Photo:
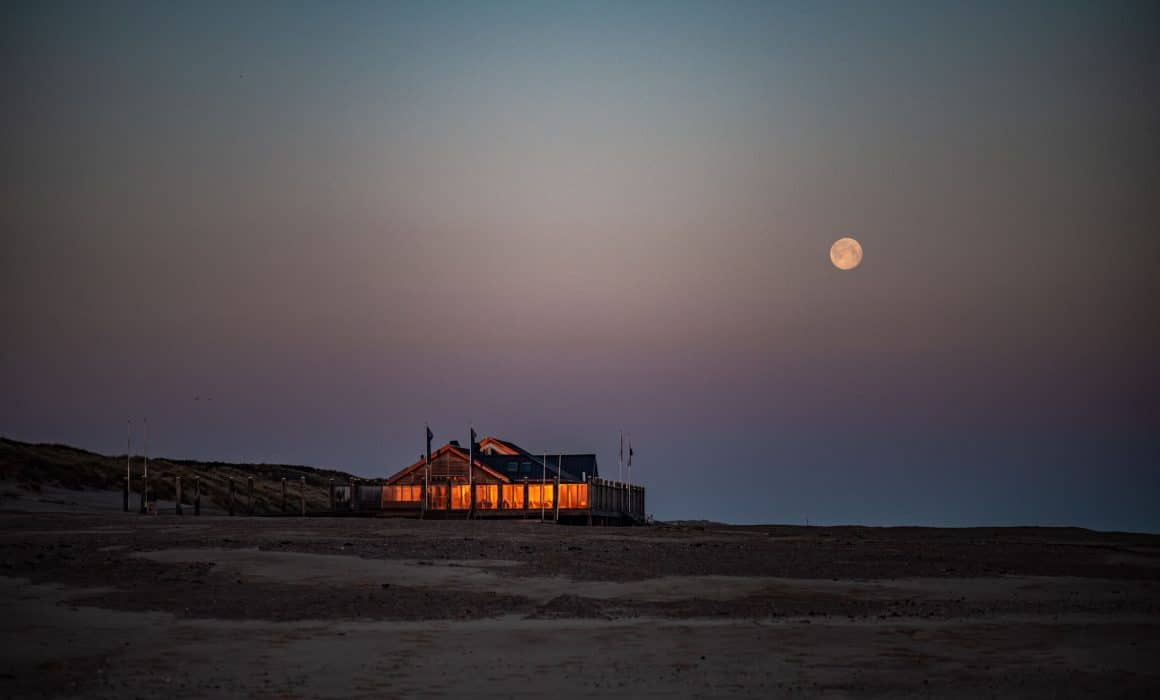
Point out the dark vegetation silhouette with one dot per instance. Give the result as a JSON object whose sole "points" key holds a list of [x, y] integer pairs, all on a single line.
{"points": [[33, 466]]}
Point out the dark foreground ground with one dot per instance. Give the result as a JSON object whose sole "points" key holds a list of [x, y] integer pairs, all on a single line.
{"points": [[108, 605]]}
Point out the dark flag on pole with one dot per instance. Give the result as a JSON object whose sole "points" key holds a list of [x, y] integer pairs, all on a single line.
{"points": [[430, 436], [474, 440], [630, 453]]}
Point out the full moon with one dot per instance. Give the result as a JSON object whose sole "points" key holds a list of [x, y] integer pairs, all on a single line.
{"points": [[846, 254]]}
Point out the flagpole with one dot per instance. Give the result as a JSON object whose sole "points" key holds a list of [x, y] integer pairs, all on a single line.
{"points": [[620, 459], [128, 462], [145, 492], [427, 464], [543, 485], [470, 471]]}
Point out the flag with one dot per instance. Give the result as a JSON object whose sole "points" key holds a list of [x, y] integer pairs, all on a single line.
{"points": [[474, 439], [630, 452], [430, 436]]}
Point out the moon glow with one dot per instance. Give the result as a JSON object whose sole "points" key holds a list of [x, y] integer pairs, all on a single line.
{"points": [[846, 253]]}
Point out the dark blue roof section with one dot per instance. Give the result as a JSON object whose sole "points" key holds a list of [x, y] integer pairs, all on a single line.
{"points": [[573, 468]]}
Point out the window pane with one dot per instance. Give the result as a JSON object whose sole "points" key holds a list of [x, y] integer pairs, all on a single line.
{"points": [[573, 495], [513, 495], [486, 496], [540, 495]]}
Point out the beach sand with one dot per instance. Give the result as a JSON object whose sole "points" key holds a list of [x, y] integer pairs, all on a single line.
{"points": [[113, 605]]}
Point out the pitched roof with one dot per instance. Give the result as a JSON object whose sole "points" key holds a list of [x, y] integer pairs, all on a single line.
{"points": [[572, 466], [439, 452], [514, 463]]}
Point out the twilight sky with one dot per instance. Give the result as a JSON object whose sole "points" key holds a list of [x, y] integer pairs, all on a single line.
{"points": [[557, 220]]}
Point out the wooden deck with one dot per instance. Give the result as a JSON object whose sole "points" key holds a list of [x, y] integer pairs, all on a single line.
{"points": [[595, 502]]}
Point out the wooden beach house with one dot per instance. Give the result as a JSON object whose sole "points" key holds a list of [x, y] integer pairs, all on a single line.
{"points": [[503, 480]]}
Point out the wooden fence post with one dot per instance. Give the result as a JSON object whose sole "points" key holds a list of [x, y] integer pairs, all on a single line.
{"points": [[331, 494], [197, 495], [302, 495], [178, 487], [251, 487], [231, 506], [591, 503]]}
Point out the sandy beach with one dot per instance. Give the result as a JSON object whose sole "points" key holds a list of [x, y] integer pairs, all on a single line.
{"points": [[109, 605]]}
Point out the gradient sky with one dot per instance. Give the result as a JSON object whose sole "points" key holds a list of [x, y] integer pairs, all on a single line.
{"points": [[557, 220]]}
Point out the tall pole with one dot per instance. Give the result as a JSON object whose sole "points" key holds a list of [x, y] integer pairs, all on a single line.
{"points": [[145, 478], [427, 466], [630, 458], [470, 472], [543, 485], [128, 462], [620, 459]]}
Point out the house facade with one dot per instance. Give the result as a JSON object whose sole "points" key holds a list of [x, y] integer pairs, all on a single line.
{"points": [[498, 478]]}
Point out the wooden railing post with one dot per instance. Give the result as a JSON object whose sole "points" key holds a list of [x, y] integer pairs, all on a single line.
{"points": [[197, 495], [177, 486]]}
